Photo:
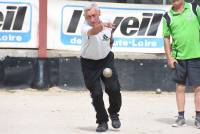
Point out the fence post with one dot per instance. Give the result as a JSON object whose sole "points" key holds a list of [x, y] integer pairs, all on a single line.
{"points": [[42, 52]]}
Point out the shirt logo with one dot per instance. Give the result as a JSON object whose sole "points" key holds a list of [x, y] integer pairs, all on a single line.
{"points": [[105, 37]]}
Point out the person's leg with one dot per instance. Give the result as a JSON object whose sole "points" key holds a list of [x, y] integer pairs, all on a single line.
{"points": [[98, 103], [112, 88], [194, 81], [180, 75], [197, 105], [92, 82], [180, 98], [197, 98]]}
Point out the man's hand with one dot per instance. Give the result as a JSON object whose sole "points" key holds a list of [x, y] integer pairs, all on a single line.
{"points": [[171, 62], [109, 25], [99, 27], [167, 46]]}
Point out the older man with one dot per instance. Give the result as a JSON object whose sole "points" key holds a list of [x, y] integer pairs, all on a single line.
{"points": [[95, 56]]}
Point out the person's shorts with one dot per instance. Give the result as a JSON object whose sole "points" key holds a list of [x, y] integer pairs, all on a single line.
{"points": [[187, 71]]}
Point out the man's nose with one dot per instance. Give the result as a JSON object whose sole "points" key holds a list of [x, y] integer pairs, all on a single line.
{"points": [[93, 19]]}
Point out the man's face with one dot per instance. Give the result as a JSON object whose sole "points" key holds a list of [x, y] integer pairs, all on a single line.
{"points": [[92, 16], [177, 2]]}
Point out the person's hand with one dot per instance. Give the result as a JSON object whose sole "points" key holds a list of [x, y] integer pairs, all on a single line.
{"points": [[171, 62], [109, 25]]}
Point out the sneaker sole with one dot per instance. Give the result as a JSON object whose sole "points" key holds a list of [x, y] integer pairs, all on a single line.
{"points": [[197, 127], [176, 125], [101, 131]]}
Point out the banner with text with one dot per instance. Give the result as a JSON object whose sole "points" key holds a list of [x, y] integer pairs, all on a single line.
{"points": [[138, 27], [19, 23]]}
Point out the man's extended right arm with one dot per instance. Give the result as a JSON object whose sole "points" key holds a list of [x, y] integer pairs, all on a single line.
{"points": [[99, 27]]}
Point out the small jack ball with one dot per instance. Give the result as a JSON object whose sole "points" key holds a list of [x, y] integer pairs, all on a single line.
{"points": [[158, 91]]}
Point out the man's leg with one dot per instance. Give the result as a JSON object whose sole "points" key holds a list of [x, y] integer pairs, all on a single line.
{"points": [[180, 97], [112, 88], [197, 98], [197, 106], [92, 82], [193, 79], [180, 100], [98, 103], [114, 100]]}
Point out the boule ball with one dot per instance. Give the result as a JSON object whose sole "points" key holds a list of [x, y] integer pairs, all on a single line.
{"points": [[107, 72], [158, 91]]}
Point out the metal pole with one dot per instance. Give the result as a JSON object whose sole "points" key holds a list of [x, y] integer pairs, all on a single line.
{"points": [[42, 52], [164, 2]]}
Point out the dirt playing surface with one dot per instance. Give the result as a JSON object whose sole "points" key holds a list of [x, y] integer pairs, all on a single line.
{"points": [[59, 111]]}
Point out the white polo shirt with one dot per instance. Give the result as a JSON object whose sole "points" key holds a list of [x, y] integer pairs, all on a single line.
{"points": [[97, 46]]}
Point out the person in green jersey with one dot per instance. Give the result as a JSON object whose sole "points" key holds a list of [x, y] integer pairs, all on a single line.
{"points": [[182, 25]]}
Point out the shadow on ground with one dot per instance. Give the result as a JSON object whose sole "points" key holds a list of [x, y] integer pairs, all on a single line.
{"points": [[93, 129], [170, 121]]}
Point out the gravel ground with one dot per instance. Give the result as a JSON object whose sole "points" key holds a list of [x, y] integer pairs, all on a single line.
{"points": [[59, 111]]}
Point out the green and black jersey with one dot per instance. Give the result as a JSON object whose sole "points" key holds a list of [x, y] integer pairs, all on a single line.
{"points": [[184, 28]]}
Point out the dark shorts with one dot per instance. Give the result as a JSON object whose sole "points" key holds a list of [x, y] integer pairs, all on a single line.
{"points": [[188, 72]]}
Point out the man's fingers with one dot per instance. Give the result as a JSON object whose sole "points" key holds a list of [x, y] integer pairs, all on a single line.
{"points": [[172, 63], [109, 25], [113, 26]]}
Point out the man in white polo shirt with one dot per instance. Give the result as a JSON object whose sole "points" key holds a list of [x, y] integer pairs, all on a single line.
{"points": [[96, 55]]}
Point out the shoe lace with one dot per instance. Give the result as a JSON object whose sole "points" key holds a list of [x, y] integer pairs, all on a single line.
{"points": [[100, 125], [179, 117], [115, 117], [197, 119]]}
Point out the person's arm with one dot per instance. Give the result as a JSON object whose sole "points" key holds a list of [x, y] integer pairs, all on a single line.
{"points": [[98, 28], [198, 12], [167, 45], [95, 29]]}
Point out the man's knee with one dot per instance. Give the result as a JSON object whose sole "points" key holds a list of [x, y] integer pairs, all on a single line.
{"points": [[113, 86], [115, 91], [97, 98], [180, 88], [90, 86], [197, 89], [96, 94]]}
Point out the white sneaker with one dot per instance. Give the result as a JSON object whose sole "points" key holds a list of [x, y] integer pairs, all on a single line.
{"points": [[180, 121]]}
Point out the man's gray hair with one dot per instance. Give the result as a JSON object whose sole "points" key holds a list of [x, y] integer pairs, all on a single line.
{"points": [[88, 7]]}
